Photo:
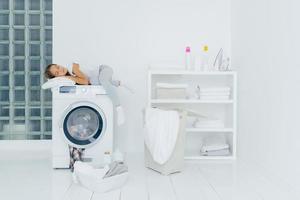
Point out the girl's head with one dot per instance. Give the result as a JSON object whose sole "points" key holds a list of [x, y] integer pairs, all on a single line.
{"points": [[54, 70]]}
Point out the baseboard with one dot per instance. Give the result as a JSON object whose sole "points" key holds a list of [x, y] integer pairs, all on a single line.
{"points": [[17, 145]]}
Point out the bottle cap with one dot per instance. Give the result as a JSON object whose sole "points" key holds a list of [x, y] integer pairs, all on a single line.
{"points": [[187, 49]]}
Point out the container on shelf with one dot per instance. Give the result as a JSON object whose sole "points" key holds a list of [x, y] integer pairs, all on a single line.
{"points": [[188, 62]]}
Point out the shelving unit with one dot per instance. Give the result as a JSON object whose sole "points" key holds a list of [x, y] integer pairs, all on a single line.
{"points": [[224, 109]]}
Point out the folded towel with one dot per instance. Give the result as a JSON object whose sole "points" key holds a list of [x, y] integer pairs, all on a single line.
{"points": [[223, 152], [208, 122], [208, 126], [214, 93], [213, 143], [214, 97], [171, 85], [216, 147], [214, 89]]}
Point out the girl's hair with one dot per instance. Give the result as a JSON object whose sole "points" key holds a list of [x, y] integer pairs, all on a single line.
{"points": [[48, 73]]}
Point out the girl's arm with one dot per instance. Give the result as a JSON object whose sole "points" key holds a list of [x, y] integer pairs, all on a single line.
{"points": [[76, 71], [78, 80], [79, 77]]}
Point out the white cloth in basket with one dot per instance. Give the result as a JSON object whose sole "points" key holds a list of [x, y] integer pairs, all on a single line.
{"points": [[99, 180], [161, 133]]}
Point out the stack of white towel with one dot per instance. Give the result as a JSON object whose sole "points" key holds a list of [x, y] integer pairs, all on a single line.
{"points": [[215, 146], [214, 93], [206, 122]]}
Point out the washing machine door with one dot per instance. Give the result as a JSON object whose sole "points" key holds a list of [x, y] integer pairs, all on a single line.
{"points": [[83, 125]]}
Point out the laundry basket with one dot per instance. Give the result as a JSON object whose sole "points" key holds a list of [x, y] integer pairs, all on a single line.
{"points": [[176, 160], [92, 178]]}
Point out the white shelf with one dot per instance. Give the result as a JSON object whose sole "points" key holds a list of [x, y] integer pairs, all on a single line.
{"points": [[190, 101], [215, 130], [221, 109]]}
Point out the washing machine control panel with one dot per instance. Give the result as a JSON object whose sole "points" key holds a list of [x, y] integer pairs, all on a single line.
{"points": [[84, 90], [77, 91], [67, 89]]}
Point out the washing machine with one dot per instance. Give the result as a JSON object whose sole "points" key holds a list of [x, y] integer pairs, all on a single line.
{"points": [[82, 117]]}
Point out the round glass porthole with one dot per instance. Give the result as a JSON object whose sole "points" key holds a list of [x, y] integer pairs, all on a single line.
{"points": [[83, 125]]}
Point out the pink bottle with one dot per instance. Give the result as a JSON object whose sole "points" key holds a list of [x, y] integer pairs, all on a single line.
{"points": [[188, 65]]}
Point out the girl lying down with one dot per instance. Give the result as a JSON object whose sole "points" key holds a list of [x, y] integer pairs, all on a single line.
{"points": [[100, 76]]}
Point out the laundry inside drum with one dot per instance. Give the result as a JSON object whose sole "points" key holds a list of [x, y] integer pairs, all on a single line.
{"points": [[83, 123]]}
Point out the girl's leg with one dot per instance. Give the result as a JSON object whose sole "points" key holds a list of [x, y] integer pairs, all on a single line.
{"points": [[107, 75], [105, 79]]}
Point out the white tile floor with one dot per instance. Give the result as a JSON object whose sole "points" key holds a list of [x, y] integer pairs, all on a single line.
{"points": [[28, 175]]}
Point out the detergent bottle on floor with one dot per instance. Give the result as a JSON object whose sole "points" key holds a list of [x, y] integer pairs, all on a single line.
{"points": [[106, 158]]}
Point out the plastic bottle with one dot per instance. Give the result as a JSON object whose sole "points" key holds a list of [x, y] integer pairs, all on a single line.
{"points": [[107, 158], [188, 64], [118, 156], [204, 60]]}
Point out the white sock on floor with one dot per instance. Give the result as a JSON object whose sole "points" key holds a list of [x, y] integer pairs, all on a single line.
{"points": [[120, 115]]}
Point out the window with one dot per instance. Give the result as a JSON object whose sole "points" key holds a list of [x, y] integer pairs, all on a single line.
{"points": [[25, 50]]}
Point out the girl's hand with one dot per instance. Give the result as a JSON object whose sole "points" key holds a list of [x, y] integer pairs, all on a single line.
{"points": [[75, 68], [79, 77], [76, 71]]}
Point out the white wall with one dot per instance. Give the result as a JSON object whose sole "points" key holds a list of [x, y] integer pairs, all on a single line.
{"points": [[265, 50], [129, 35]]}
